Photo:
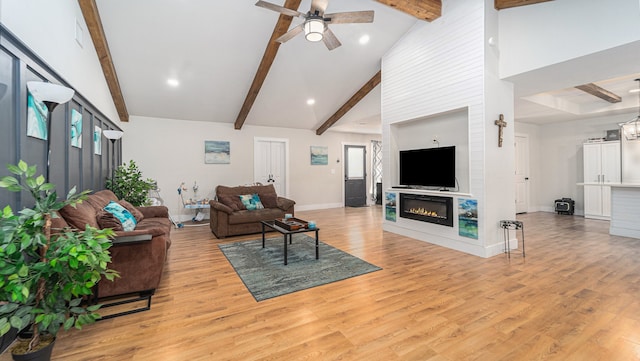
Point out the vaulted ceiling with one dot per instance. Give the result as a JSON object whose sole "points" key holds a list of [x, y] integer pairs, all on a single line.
{"points": [[230, 70]]}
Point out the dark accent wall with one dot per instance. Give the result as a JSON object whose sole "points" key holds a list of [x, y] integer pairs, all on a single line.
{"points": [[70, 166]]}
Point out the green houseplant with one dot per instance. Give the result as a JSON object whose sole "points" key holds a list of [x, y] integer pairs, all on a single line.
{"points": [[45, 275], [127, 183]]}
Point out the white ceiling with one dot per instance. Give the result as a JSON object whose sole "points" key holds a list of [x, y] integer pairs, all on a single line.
{"points": [[213, 49]]}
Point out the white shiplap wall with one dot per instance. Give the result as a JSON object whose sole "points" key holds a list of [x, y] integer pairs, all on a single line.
{"points": [[436, 68]]}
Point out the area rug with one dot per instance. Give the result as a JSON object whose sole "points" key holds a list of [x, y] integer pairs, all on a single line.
{"points": [[264, 274]]}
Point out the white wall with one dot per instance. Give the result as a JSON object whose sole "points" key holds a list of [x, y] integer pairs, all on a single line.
{"points": [[533, 37], [48, 28], [172, 151], [556, 158], [440, 67]]}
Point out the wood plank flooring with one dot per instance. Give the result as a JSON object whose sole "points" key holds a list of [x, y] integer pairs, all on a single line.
{"points": [[575, 297]]}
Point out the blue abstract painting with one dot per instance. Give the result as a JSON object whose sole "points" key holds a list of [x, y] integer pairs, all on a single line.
{"points": [[468, 218], [319, 155], [76, 128], [37, 113], [217, 152]]}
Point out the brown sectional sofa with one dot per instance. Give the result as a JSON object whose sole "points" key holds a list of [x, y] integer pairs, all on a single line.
{"points": [[229, 217], [138, 255]]}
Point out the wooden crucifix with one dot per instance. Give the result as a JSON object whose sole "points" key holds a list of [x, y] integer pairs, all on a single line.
{"points": [[501, 124]]}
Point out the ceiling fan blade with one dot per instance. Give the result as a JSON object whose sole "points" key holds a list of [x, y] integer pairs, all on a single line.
{"points": [[290, 34], [319, 5], [279, 9], [330, 39], [350, 17]]}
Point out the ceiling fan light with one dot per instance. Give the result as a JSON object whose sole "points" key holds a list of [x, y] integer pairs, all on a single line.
{"points": [[314, 29]]}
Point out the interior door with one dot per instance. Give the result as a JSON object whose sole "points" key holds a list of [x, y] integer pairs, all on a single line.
{"points": [[355, 177], [270, 163], [522, 173]]}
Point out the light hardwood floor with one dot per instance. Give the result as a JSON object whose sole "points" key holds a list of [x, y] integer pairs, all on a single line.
{"points": [[575, 297]]}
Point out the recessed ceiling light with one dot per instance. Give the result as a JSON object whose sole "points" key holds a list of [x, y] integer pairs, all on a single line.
{"points": [[173, 82], [364, 39], [311, 101], [634, 91]]}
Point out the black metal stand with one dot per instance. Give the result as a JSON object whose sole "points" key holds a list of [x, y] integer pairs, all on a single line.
{"points": [[508, 225], [142, 296]]}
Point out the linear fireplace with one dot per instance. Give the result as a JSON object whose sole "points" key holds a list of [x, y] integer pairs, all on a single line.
{"points": [[426, 208]]}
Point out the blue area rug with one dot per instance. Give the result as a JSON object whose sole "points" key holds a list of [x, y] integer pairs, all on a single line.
{"points": [[263, 272]]}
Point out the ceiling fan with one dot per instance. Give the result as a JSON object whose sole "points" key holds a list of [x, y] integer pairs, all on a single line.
{"points": [[315, 25]]}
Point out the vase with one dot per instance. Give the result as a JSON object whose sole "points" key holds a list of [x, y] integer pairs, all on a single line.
{"points": [[43, 354], [7, 339]]}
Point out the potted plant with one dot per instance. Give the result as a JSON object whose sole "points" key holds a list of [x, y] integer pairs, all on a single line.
{"points": [[127, 183], [47, 276]]}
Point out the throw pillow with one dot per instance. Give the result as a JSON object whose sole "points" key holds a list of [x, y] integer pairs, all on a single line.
{"points": [[108, 220], [132, 209], [230, 201], [269, 200], [251, 201], [125, 217]]}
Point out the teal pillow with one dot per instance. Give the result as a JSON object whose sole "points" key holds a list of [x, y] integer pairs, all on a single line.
{"points": [[251, 201], [122, 214]]}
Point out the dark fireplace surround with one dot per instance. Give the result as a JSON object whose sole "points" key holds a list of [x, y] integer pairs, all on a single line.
{"points": [[427, 208]]}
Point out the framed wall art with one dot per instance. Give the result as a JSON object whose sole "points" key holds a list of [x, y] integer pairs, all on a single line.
{"points": [[319, 155], [76, 128], [97, 140], [217, 152]]}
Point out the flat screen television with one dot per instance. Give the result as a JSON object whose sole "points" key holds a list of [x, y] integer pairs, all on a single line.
{"points": [[429, 167]]}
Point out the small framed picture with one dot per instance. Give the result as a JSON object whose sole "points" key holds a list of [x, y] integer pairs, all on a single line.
{"points": [[217, 152], [319, 155]]}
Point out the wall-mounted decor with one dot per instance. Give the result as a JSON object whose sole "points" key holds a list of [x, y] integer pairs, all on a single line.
{"points": [[97, 140], [390, 206], [76, 128], [319, 155], [36, 118], [217, 152], [468, 218]]}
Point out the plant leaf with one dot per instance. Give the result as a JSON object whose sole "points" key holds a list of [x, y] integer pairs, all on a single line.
{"points": [[69, 323], [14, 169], [22, 165]]}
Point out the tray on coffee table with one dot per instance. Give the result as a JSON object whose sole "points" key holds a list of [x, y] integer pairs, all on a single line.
{"points": [[291, 224]]}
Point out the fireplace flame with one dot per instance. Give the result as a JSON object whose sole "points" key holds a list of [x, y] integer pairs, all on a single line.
{"points": [[424, 212]]}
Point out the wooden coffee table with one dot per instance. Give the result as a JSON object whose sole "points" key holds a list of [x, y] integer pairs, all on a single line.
{"points": [[287, 234]]}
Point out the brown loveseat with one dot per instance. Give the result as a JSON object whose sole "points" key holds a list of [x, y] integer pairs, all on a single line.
{"points": [[138, 255], [229, 216]]}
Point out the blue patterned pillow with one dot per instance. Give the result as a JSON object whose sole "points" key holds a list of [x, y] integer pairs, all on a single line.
{"points": [[251, 201], [122, 214]]}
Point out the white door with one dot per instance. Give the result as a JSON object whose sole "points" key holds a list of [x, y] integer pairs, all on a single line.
{"points": [[522, 173], [592, 163], [270, 163], [592, 200], [610, 162]]}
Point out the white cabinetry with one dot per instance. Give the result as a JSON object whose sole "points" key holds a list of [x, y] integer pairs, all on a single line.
{"points": [[601, 168]]}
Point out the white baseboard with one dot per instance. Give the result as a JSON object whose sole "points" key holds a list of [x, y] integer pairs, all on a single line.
{"points": [[313, 207]]}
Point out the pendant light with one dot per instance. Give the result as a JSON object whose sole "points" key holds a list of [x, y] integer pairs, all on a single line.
{"points": [[631, 128]]}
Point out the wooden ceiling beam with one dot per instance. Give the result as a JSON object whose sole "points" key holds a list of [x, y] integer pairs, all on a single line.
{"points": [[600, 92], [357, 97], [282, 26], [428, 10], [94, 24], [505, 4]]}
